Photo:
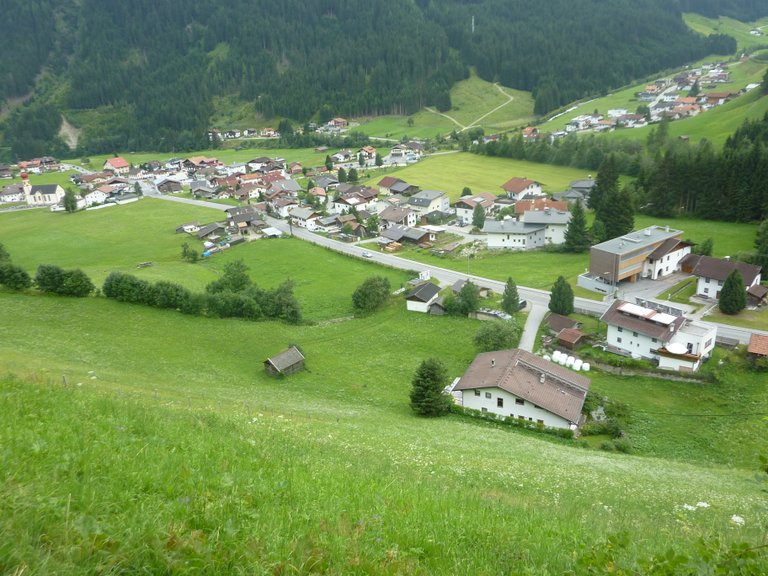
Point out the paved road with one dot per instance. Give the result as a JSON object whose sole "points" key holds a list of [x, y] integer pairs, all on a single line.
{"points": [[538, 299], [532, 323]]}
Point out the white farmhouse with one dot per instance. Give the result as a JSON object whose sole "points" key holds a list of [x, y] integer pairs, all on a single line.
{"points": [[674, 341], [517, 384], [514, 235], [554, 221]]}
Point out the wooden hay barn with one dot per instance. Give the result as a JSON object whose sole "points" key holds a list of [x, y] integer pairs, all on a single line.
{"points": [[285, 363]]}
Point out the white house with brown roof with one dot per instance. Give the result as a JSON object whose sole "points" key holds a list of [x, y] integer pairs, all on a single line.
{"points": [[712, 272], [674, 341], [518, 188], [517, 384], [465, 206]]}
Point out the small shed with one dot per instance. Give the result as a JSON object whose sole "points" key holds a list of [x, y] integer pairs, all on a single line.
{"points": [[570, 337], [758, 346], [288, 362]]}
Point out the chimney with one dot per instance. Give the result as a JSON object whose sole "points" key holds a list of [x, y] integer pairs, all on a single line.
{"points": [[666, 228], [541, 378], [647, 231]]}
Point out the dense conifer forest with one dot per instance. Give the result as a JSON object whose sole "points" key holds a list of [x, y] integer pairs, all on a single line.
{"points": [[151, 68]]}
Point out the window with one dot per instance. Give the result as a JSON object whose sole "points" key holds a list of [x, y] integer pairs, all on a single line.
{"points": [[706, 280], [487, 394], [519, 401], [477, 392], [618, 340], [500, 402], [719, 282], [539, 421], [620, 329], [521, 417], [706, 290], [484, 410], [653, 340], [634, 334]]}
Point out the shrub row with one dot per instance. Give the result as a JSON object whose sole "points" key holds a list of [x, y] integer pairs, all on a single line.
{"points": [[252, 303], [55, 280]]}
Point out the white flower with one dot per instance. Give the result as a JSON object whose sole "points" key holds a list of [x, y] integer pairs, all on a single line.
{"points": [[689, 507], [702, 504], [736, 519]]}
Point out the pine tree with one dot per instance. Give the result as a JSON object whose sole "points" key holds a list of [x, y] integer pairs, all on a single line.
{"points": [[576, 239], [733, 296], [70, 200], [468, 298], [618, 214], [510, 300], [598, 232], [607, 181], [561, 299], [761, 246], [428, 397]]}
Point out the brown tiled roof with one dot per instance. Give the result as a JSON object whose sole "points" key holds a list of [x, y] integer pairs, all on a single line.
{"points": [[570, 335], [669, 245], [617, 315], [558, 322], [758, 291], [552, 387], [517, 185], [758, 344], [539, 204], [719, 269]]}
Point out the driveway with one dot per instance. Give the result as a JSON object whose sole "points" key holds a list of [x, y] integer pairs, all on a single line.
{"points": [[532, 323]]}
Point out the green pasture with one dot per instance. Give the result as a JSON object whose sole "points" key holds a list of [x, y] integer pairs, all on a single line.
{"points": [[724, 25], [170, 447], [451, 172], [729, 238]]}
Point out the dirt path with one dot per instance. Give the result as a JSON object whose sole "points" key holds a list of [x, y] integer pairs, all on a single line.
{"points": [[473, 124]]}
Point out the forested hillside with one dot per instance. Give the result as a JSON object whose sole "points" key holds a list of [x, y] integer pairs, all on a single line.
{"points": [[143, 74]]}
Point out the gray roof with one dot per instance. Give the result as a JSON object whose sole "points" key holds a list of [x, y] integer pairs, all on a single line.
{"points": [[288, 185], [545, 384], [399, 187], [546, 216], [303, 213], [424, 292], [286, 359], [210, 228], [394, 214], [646, 321], [637, 239], [511, 226]]}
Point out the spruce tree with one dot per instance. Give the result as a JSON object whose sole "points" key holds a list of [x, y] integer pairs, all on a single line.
{"points": [[561, 299], [733, 296], [761, 246], [607, 181], [618, 214], [428, 397], [510, 301], [576, 239]]}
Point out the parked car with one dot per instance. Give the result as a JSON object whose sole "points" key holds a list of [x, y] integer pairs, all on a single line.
{"points": [[367, 255], [522, 304]]}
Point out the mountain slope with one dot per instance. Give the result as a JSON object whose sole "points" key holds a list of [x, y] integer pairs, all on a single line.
{"points": [[154, 66]]}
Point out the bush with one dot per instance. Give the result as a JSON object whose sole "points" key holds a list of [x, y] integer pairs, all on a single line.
{"points": [[49, 278], [76, 283], [14, 277], [623, 445], [371, 295]]}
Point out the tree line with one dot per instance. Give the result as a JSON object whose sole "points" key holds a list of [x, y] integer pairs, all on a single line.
{"points": [[154, 68]]}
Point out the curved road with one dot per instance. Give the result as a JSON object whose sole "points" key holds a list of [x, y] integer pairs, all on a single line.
{"points": [[536, 298]]}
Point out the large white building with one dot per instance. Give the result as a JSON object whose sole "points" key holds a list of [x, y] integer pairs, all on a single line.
{"points": [[517, 384], [674, 341]]}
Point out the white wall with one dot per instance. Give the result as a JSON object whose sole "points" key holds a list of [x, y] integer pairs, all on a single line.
{"points": [[517, 241], [529, 412], [632, 342]]}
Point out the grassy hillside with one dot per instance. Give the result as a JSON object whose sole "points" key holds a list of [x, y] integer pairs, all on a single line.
{"points": [[170, 449], [189, 455], [723, 25]]}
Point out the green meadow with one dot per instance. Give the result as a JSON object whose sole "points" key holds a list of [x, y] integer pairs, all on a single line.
{"points": [[453, 171], [149, 441]]}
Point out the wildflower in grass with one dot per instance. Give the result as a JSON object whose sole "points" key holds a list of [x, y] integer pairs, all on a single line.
{"points": [[738, 520], [702, 505], [688, 507]]}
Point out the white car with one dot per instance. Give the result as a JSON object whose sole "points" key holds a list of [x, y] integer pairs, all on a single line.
{"points": [[367, 255]]}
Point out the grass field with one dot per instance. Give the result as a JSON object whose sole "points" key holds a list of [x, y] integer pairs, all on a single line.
{"points": [[723, 25], [453, 171], [171, 450]]}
